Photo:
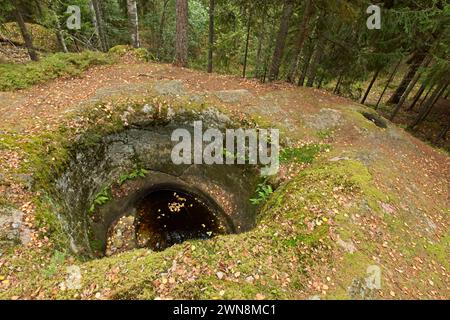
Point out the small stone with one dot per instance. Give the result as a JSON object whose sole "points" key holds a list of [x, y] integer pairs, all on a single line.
{"points": [[147, 109], [220, 275]]}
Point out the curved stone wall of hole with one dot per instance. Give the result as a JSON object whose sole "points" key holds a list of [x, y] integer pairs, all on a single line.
{"points": [[225, 189]]}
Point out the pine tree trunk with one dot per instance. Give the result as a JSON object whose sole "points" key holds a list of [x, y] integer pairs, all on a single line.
{"points": [[417, 97], [134, 23], [429, 104], [375, 76], [315, 60], [301, 80], [212, 5], [181, 45], [281, 40], [319, 83], [301, 36], [28, 40], [417, 60], [443, 133], [97, 20], [247, 41], [391, 77], [162, 25], [261, 37], [410, 87], [338, 84], [60, 34], [426, 95]]}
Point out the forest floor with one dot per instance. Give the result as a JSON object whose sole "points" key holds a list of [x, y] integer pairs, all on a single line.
{"points": [[398, 221]]}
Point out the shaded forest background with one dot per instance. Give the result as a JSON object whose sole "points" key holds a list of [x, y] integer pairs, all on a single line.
{"points": [[402, 69]]}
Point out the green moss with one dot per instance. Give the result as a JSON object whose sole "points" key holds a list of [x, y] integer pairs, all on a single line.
{"points": [[356, 117], [21, 76], [56, 261], [325, 134], [311, 240], [304, 154], [47, 219], [440, 251]]}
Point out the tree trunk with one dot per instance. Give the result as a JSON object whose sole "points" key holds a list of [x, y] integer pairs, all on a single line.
{"points": [[416, 61], [338, 84], [305, 67], [60, 34], [181, 45], [212, 5], [443, 133], [417, 97], [247, 41], [133, 20], [391, 77], [315, 60], [97, 20], [429, 104], [375, 76], [281, 40], [319, 83], [410, 87], [95, 23], [28, 40], [161, 29], [261, 37], [426, 95], [301, 36]]}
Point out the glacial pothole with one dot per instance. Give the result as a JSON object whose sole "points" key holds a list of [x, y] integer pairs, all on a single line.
{"points": [[166, 216], [167, 205], [170, 216]]}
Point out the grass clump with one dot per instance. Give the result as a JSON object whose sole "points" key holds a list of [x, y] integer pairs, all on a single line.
{"points": [[21, 76]]}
